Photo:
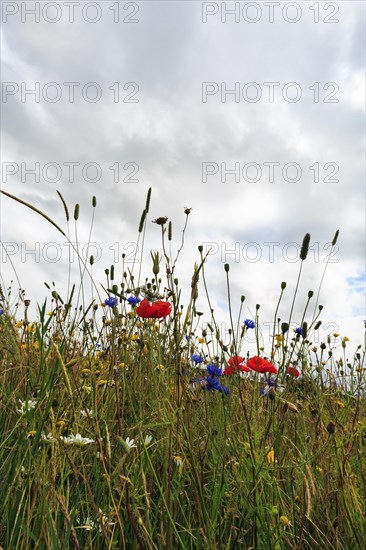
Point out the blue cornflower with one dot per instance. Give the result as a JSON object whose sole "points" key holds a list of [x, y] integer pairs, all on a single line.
{"points": [[1, 312], [214, 370], [133, 300], [249, 323], [298, 330], [197, 359], [225, 390], [212, 384], [111, 301]]}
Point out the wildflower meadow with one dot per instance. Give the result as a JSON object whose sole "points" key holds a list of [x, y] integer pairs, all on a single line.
{"points": [[130, 422]]}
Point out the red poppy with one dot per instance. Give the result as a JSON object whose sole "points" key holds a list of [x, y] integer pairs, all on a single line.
{"points": [[235, 363], [235, 360], [293, 371], [229, 370], [261, 365], [153, 310]]}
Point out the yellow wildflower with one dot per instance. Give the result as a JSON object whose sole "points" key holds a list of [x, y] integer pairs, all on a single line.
{"points": [[179, 462], [19, 324], [201, 340], [271, 457], [285, 520]]}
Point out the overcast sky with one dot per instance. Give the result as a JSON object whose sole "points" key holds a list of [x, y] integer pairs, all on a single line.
{"points": [[253, 118]]}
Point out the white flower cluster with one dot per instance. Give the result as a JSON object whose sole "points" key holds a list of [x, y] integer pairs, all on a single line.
{"points": [[26, 406], [76, 440]]}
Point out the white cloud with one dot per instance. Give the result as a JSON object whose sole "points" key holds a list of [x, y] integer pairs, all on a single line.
{"points": [[170, 132]]}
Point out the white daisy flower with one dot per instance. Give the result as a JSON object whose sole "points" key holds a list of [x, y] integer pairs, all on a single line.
{"points": [[26, 406], [77, 440]]}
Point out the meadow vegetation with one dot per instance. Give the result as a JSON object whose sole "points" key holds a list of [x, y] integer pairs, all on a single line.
{"points": [[127, 423]]}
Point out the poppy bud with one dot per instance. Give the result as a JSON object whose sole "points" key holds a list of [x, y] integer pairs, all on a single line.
{"points": [[331, 428], [284, 327], [283, 285], [156, 262], [271, 393]]}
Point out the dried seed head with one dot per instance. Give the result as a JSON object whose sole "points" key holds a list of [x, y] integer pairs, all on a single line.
{"points": [[142, 220], [335, 237], [147, 205], [305, 247], [161, 221], [76, 211]]}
